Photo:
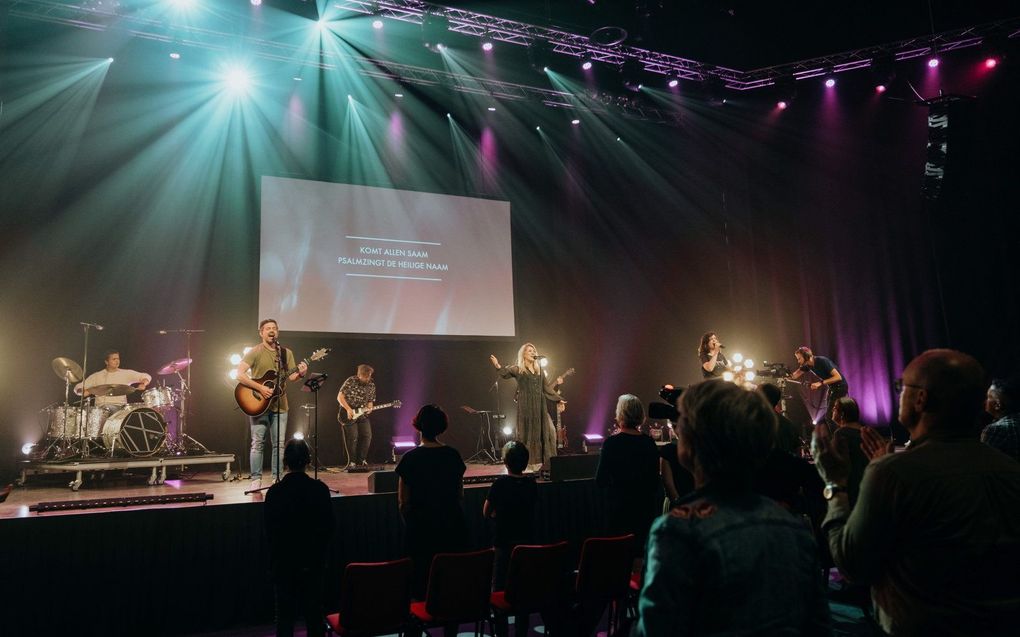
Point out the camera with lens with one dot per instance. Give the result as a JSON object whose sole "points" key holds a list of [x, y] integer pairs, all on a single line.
{"points": [[666, 410]]}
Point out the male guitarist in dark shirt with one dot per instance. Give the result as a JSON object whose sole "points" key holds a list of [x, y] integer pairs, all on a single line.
{"points": [[357, 392], [260, 359]]}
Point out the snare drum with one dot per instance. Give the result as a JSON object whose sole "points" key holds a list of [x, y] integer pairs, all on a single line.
{"points": [[159, 397], [134, 431]]}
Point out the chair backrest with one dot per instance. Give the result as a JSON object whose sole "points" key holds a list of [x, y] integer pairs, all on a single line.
{"points": [[459, 585], [375, 597], [536, 576], [603, 572]]}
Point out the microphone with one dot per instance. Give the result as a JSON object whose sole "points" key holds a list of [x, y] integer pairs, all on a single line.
{"points": [[162, 331], [541, 356], [95, 325], [721, 346]]}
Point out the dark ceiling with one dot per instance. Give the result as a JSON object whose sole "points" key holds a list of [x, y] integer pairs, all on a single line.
{"points": [[750, 34]]}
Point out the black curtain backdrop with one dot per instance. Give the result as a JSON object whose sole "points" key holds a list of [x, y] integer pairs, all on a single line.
{"points": [[772, 229]]}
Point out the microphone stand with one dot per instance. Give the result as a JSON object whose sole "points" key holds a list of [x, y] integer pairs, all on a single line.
{"points": [[314, 384], [82, 425]]}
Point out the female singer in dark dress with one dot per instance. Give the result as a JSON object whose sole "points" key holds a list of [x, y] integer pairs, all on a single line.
{"points": [[429, 492], [534, 426], [713, 361]]}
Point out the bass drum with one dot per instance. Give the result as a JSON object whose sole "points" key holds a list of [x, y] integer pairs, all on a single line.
{"points": [[134, 431]]}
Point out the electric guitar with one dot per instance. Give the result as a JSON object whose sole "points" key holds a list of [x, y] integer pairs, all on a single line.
{"points": [[561, 431], [251, 401], [342, 418]]}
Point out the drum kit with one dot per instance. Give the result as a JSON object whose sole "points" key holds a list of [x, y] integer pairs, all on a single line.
{"points": [[97, 427]]}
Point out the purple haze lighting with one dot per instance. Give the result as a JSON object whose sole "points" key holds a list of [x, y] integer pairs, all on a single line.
{"points": [[486, 46], [594, 437], [933, 63], [829, 83]]}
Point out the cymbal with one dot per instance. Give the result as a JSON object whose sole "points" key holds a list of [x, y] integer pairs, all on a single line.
{"points": [[174, 366], [111, 390], [67, 369]]}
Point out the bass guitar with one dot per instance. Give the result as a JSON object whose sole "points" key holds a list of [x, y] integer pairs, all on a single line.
{"points": [[342, 418], [251, 401], [561, 431]]}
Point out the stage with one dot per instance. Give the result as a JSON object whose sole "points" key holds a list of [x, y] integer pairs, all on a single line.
{"points": [[198, 567]]}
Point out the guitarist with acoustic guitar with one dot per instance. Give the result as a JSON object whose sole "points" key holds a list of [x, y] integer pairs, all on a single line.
{"points": [[268, 356], [356, 398]]}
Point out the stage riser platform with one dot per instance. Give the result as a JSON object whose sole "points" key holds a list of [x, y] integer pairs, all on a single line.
{"points": [[203, 568]]}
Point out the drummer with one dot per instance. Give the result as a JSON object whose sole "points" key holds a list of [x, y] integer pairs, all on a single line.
{"points": [[113, 375]]}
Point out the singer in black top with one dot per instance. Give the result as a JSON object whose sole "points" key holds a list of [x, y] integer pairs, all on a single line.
{"points": [[534, 426], [713, 361]]}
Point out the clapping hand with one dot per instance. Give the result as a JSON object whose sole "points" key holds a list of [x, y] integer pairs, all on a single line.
{"points": [[832, 459], [874, 445]]}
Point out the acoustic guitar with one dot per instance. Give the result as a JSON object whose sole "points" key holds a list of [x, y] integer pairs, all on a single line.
{"points": [[251, 401]]}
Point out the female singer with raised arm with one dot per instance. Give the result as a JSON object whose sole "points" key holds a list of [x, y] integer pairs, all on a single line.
{"points": [[534, 426], [713, 361]]}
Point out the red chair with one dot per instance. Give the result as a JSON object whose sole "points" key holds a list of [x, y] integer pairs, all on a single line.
{"points": [[603, 579], [374, 599], [457, 592], [535, 583]]}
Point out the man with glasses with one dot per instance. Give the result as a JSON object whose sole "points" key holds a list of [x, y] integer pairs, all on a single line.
{"points": [[935, 531]]}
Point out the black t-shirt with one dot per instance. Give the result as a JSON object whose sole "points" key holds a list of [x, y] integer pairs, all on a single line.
{"points": [[513, 501], [629, 472], [721, 363], [298, 512], [823, 367], [433, 476]]}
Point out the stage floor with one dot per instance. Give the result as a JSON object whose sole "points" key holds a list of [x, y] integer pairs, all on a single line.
{"points": [[131, 483]]}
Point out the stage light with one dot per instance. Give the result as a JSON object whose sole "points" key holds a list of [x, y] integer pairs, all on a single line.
{"points": [[185, 4], [377, 24], [991, 62], [618, 139], [235, 359], [673, 82], [256, 3], [232, 374], [881, 88], [586, 63], [933, 62], [440, 47], [749, 376], [246, 350], [545, 69], [299, 435], [508, 430], [738, 357], [296, 79], [447, 116], [748, 363], [538, 128], [486, 45], [575, 122], [320, 26], [398, 95], [237, 80], [829, 83], [492, 109], [27, 448], [109, 60], [543, 362], [175, 56], [781, 105], [727, 376]]}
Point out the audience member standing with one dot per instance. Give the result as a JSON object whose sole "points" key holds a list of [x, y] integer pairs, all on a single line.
{"points": [[430, 491], [847, 416], [628, 470], [727, 561], [936, 529], [1002, 404], [511, 507], [299, 524]]}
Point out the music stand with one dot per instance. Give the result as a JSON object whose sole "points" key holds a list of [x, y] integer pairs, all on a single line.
{"points": [[313, 384]]}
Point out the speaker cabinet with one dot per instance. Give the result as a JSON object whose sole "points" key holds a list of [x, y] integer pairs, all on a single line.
{"points": [[382, 482]]}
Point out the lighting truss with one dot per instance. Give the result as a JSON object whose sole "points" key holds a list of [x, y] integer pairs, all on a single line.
{"points": [[101, 15]]}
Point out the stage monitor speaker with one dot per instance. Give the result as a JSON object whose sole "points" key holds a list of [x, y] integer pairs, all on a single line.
{"points": [[382, 482], [579, 467]]}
